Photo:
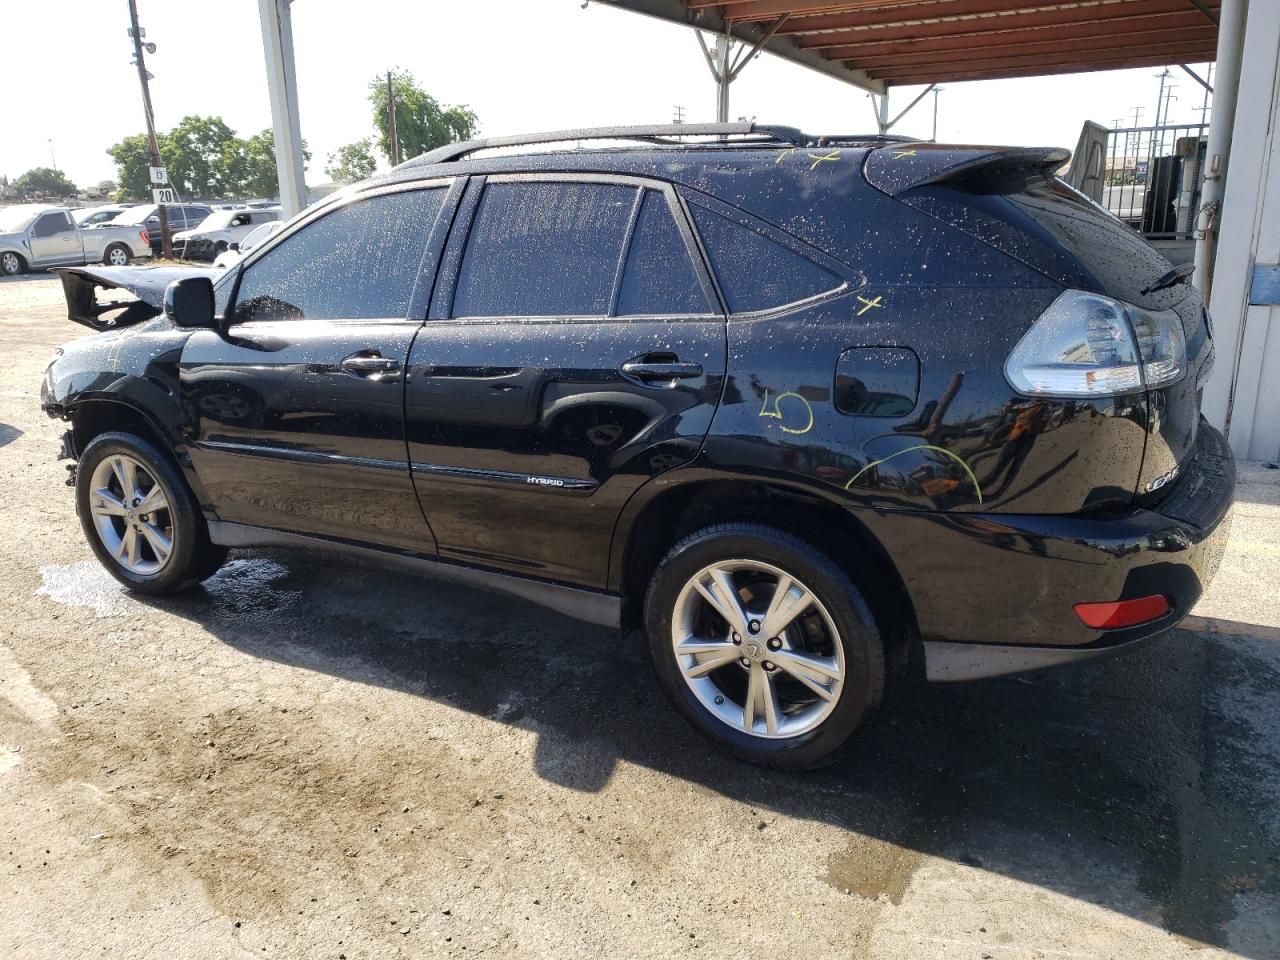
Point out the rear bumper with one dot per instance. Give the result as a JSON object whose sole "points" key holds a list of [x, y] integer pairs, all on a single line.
{"points": [[995, 593]]}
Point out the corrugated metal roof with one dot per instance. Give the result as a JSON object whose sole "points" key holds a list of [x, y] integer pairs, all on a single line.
{"points": [[880, 43]]}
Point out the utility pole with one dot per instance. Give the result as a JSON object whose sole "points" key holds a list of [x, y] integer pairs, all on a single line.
{"points": [[678, 113], [1163, 75], [391, 121], [52, 158], [153, 145]]}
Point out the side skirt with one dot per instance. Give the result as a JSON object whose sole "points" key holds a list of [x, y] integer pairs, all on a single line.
{"points": [[590, 606], [946, 662]]}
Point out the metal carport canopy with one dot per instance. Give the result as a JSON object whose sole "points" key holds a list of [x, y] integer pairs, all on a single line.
{"points": [[875, 44]]}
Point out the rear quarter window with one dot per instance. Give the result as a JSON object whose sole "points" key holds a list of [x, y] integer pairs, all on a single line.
{"points": [[754, 271]]}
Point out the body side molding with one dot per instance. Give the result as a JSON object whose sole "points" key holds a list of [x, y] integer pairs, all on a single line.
{"points": [[590, 606]]}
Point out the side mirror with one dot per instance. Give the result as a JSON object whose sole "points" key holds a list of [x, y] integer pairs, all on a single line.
{"points": [[189, 302], [233, 246]]}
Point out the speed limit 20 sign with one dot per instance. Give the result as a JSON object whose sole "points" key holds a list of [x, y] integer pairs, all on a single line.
{"points": [[164, 195]]}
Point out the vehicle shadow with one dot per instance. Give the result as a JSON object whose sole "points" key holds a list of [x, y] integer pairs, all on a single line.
{"points": [[1146, 785], [8, 434]]}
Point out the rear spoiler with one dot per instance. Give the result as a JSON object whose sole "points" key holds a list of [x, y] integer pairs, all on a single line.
{"points": [[80, 287], [899, 168]]}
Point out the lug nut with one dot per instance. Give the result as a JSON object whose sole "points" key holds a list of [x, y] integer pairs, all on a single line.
{"points": [[775, 644], [754, 626], [737, 638], [744, 661], [768, 665]]}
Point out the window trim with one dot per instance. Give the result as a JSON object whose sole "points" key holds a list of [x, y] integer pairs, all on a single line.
{"points": [[422, 287], [451, 264], [853, 278]]}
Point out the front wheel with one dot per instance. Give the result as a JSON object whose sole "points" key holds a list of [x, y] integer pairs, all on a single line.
{"points": [[140, 517], [117, 255], [764, 644], [11, 264]]}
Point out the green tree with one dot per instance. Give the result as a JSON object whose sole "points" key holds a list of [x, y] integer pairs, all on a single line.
{"points": [[352, 162], [132, 160], [422, 123], [195, 153], [44, 182]]}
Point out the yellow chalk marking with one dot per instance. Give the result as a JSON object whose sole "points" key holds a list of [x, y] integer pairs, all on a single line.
{"points": [[833, 155], [899, 154], [874, 302], [924, 446], [783, 155], [776, 413]]}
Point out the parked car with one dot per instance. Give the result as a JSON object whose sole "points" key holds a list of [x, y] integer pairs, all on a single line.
{"points": [[238, 250], [813, 411], [182, 216], [94, 216], [35, 235], [219, 230]]}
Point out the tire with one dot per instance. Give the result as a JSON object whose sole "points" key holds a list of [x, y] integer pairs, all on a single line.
{"points": [[116, 255], [834, 642], [12, 264], [111, 523]]}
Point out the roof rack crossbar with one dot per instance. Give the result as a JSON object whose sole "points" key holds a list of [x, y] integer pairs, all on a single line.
{"points": [[662, 133]]}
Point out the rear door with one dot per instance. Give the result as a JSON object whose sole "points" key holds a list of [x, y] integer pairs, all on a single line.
{"points": [[573, 351], [298, 410]]}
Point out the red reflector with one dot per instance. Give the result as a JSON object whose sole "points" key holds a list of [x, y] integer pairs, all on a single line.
{"points": [[146, 237], [1122, 613]]}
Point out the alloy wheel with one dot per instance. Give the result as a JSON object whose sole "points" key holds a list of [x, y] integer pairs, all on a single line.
{"points": [[131, 514], [758, 649], [117, 257], [10, 264]]}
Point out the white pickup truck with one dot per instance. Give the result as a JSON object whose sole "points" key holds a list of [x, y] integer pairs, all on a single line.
{"points": [[36, 236]]}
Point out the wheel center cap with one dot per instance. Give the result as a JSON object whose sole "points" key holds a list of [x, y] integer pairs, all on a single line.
{"points": [[753, 650], [131, 515]]}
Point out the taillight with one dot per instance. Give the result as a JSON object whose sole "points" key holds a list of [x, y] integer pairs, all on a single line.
{"points": [[1088, 345], [146, 237]]}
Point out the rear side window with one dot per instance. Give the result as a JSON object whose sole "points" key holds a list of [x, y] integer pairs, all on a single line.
{"points": [[658, 277], [755, 272], [359, 262], [544, 249]]}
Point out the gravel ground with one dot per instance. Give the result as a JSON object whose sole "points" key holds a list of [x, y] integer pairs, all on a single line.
{"points": [[311, 759]]}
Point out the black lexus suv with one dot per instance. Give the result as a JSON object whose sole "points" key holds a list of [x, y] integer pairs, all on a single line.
{"points": [[812, 411]]}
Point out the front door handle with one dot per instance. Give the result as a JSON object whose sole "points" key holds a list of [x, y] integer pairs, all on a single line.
{"points": [[668, 371], [365, 364]]}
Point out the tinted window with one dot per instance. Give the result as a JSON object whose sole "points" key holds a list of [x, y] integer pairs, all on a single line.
{"points": [[659, 277], [754, 272], [358, 262], [544, 249], [51, 223]]}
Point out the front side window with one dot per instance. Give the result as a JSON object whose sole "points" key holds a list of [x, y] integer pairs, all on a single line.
{"points": [[544, 249], [50, 224], [360, 261], [754, 271]]}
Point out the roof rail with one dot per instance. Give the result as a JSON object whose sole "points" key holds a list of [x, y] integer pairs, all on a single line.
{"points": [[662, 134]]}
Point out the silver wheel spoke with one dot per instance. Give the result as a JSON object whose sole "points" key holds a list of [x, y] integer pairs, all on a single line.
{"points": [[762, 700], [127, 476], [805, 668], [707, 655], [160, 544], [723, 598], [788, 602], [154, 500], [106, 504]]}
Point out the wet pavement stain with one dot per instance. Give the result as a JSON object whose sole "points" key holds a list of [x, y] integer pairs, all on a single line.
{"points": [[872, 868]]}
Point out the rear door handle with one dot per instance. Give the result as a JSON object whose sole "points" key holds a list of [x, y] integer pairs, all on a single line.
{"points": [[364, 364], [671, 370]]}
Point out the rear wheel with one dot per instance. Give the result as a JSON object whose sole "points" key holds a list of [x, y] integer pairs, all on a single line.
{"points": [[140, 517], [12, 264], [764, 644], [116, 255]]}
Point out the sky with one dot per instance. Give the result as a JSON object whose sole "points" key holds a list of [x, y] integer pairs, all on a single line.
{"points": [[521, 65]]}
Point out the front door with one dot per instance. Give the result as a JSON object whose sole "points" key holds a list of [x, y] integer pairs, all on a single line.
{"points": [[574, 351], [298, 411], [54, 240]]}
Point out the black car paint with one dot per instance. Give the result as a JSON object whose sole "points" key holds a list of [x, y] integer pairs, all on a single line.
{"points": [[998, 510]]}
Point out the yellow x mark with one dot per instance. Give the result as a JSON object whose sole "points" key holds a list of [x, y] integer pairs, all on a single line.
{"points": [[833, 155], [875, 302], [899, 154]]}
